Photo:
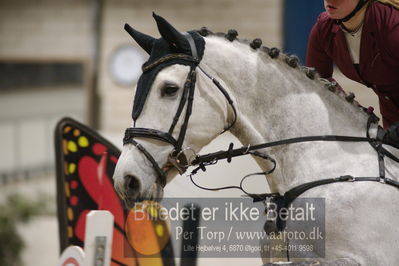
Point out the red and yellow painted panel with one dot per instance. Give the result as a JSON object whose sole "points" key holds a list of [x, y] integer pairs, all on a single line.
{"points": [[85, 164]]}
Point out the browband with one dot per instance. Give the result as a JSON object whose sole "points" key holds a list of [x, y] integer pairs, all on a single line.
{"points": [[166, 58]]}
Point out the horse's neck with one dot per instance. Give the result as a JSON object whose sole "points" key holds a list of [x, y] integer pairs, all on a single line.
{"points": [[275, 101]]}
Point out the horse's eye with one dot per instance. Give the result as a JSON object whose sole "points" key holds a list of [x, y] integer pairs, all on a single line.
{"points": [[169, 90]]}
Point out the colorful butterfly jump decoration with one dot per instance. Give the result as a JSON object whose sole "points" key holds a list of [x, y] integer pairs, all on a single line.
{"points": [[85, 162]]}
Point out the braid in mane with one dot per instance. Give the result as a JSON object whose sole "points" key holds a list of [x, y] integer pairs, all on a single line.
{"points": [[293, 62]]}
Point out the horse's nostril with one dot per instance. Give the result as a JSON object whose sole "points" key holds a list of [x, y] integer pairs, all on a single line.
{"points": [[133, 183]]}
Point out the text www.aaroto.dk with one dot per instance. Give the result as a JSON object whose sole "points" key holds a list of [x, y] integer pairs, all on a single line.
{"points": [[314, 234]]}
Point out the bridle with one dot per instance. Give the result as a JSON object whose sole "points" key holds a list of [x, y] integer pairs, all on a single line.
{"points": [[179, 158]]}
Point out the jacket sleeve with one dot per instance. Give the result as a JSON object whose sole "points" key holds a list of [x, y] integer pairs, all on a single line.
{"points": [[316, 56], [393, 42]]}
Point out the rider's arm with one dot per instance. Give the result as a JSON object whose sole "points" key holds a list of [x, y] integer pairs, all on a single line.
{"points": [[392, 41], [316, 56]]}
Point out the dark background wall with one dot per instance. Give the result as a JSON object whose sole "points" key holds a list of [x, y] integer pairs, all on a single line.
{"points": [[298, 19]]}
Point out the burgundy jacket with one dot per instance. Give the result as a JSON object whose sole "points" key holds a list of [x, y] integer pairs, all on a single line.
{"points": [[379, 55]]}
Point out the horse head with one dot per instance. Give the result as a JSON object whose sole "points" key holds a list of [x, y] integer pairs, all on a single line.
{"points": [[175, 113]]}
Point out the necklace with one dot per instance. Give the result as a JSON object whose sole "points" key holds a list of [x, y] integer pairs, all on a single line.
{"points": [[353, 32]]}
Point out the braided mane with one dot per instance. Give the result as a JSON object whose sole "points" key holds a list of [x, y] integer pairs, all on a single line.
{"points": [[293, 62]]}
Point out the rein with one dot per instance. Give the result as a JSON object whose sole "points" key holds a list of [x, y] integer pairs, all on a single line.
{"points": [[283, 201]]}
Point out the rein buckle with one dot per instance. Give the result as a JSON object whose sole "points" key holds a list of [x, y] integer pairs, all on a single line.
{"points": [[182, 160]]}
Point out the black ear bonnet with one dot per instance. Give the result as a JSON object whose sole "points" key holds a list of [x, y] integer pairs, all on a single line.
{"points": [[171, 42]]}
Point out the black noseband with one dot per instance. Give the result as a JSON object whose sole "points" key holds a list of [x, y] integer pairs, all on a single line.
{"points": [[161, 174], [131, 133]]}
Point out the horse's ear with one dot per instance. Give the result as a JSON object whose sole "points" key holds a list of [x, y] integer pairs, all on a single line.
{"points": [[169, 33], [145, 41]]}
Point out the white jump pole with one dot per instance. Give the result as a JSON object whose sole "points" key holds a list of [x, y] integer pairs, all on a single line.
{"points": [[98, 238], [97, 243]]}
